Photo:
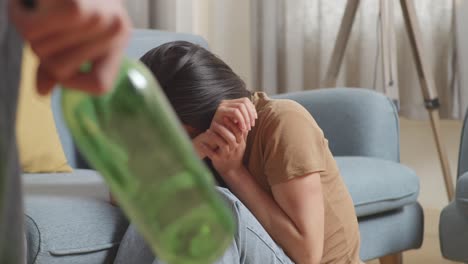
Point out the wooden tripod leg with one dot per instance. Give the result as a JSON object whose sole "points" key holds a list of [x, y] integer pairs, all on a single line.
{"points": [[389, 51], [435, 123], [428, 87], [341, 42]]}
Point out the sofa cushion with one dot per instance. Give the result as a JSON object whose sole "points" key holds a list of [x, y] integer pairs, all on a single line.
{"points": [[378, 185], [69, 219], [39, 145], [80, 182]]}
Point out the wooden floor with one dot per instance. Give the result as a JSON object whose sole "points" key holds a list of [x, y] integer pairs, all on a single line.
{"points": [[430, 251], [417, 136]]}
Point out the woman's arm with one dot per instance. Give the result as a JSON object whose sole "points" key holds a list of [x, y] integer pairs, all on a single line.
{"points": [[294, 217], [241, 112]]}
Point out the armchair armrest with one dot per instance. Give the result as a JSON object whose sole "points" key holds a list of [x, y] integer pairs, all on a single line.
{"points": [[461, 194], [463, 157]]}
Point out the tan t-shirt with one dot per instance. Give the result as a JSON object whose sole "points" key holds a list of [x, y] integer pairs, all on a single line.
{"points": [[286, 142]]}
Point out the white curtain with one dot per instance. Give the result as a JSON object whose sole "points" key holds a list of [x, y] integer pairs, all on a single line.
{"points": [[461, 94], [225, 24], [285, 45], [293, 42]]}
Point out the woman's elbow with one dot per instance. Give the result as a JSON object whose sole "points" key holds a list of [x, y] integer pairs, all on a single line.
{"points": [[316, 259], [313, 258], [308, 255]]}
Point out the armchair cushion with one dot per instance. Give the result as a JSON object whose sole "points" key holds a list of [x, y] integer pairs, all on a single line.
{"points": [[377, 185]]}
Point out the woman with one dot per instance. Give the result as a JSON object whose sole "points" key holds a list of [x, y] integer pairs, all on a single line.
{"points": [[270, 153]]}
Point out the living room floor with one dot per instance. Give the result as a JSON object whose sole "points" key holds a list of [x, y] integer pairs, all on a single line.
{"points": [[418, 151], [429, 253]]}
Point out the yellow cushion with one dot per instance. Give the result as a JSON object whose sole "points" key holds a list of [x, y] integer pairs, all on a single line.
{"points": [[39, 145]]}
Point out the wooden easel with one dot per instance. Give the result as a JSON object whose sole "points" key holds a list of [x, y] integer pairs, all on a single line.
{"points": [[390, 78]]}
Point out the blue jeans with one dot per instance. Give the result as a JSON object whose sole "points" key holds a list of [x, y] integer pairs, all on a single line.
{"points": [[251, 243]]}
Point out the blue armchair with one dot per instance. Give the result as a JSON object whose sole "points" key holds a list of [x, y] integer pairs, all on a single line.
{"points": [[362, 127], [70, 221], [453, 225]]}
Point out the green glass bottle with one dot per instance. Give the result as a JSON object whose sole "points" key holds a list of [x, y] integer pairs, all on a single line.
{"points": [[133, 138]]}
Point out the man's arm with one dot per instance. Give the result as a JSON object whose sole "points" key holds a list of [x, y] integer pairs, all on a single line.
{"points": [[67, 33]]}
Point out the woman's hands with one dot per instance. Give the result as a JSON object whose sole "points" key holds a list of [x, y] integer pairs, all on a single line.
{"points": [[200, 142], [237, 116], [228, 156], [241, 111]]}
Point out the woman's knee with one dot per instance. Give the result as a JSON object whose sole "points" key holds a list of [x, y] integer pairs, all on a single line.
{"points": [[254, 244], [133, 249]]}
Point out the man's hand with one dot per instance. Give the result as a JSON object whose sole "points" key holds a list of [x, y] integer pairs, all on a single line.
{"points": [[241, 111], [65, 34]]}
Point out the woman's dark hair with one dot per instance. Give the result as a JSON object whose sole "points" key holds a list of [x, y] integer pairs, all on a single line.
{"points": [[194, 80]]}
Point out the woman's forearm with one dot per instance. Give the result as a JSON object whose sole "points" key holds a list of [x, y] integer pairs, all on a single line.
{"points": [[276, 222]]}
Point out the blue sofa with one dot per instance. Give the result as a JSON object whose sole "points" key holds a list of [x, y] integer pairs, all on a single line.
{"points": [[453, 224], [68, 218]]}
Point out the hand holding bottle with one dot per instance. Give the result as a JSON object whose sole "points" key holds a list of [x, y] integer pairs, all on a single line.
{"points": [[133, 138], [65, 34]]}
